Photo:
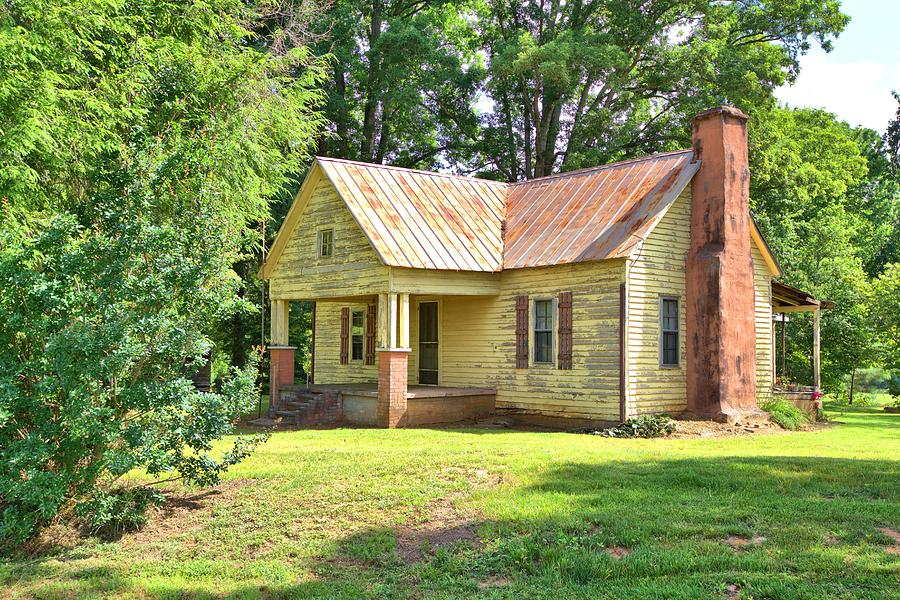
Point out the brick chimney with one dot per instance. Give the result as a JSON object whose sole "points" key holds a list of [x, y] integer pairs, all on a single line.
{"points": [[721, 330]]}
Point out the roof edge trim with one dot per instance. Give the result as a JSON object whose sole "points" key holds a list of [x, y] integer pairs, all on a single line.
{"points": [[764, 249]]}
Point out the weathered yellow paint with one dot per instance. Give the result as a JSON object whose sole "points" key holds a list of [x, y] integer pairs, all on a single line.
{"points": [[762, 282], [354, 268], [328, 346], [466, 283], [655, 270], [476, 313], [280, 322], [477, 342]]}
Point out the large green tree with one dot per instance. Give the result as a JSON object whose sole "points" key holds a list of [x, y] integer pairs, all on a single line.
{"points": [[403, 78], [139, 141], [582, 83]]}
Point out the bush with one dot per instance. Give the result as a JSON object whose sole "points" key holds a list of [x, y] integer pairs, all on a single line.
{"points": [[786, 414], [644, 426]]}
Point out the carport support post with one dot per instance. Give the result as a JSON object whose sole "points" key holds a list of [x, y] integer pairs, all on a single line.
{"points": [[281, 355], [817, 357], [393, 358]]}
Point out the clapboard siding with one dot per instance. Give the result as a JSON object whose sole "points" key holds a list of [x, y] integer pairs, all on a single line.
{"points": [[328, 344], [353, 269], [478, 344], [762, 280], [655, 270]]}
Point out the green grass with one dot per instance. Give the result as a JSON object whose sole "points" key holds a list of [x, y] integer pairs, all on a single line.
{"points": [[351, 513]]}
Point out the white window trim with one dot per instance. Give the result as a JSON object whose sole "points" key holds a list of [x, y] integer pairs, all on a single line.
{"points": [[554, 330], [319, 231], [659, 322]]}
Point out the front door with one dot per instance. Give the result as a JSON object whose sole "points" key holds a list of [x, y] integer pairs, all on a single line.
{"points": [[428, 343]]}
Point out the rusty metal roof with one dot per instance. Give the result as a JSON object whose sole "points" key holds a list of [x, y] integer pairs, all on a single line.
{"points": [[423, 220], [426, 220], [591, 214]]}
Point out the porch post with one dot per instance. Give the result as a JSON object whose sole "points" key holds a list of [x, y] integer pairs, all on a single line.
{"points": [[393, 359], [817, 359], [281, 355]]}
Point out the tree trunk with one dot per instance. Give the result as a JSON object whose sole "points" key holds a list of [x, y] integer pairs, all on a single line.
{"points": [[852, 382], [372, 86], [340, 86]]}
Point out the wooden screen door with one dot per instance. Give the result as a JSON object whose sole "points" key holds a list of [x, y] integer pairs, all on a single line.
{"points": [[428, 343]]}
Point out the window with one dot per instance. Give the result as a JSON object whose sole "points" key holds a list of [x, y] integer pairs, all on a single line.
{"points": [[357, 334], [543, 331], [668, 322], [326, 243]]}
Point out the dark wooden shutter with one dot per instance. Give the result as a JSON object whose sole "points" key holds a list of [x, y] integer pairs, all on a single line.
{"points": [[370, 334], [521, 332], [564, 359], [345, 336]]}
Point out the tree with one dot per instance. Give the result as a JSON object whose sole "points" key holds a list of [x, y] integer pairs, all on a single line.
{"points": [[403, 80], [581, 83], [886, 314], [140, 140]]}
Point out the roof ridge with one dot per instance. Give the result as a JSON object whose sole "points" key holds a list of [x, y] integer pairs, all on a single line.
{"points": [[601, 167], [408, 170]]}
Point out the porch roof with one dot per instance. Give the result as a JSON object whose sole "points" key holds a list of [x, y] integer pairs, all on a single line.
{"points": [[786, 298]]}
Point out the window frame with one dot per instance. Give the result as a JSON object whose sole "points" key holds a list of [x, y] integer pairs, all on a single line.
{"points": [[320, 236], [533, 331], [362, 336], [663, 331]]}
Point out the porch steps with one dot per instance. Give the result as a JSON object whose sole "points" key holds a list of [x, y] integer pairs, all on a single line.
{"points": [[302, 407]]}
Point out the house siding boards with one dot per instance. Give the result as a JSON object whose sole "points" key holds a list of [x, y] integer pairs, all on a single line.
{"points": [[762, 280], [478, 343], [656, 270], [354, 267], [328, 347]]}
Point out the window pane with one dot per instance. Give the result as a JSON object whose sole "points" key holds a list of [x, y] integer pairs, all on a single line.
{"points": [[670, 348], [543, 347], [543, 317], [357, 347], [325, 242]]}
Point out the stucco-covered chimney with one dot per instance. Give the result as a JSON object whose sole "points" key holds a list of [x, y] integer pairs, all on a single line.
{"points": [[721, 331]]}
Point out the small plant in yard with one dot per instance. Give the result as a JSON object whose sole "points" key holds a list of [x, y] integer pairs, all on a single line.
{"points": [[644, 426], [785, 414]]}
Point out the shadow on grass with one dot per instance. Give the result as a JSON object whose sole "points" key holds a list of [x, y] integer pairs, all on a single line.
{"points": [[807, 528]]}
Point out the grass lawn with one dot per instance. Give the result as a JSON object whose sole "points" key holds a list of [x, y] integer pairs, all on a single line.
{"points": [[457, 513]]}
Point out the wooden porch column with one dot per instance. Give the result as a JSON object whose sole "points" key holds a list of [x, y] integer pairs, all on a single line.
{"points": [[393, 359], [281, 355], [817, 358]]}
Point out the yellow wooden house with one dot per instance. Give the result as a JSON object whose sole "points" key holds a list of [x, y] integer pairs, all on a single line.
{"points": [[595, 295]]}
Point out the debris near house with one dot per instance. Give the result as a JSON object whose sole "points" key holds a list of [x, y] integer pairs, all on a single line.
{"points": [[643, 426]]}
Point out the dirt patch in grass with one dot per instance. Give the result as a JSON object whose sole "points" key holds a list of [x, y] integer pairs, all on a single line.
{"points": [[694, 429], [493, 582], [182, 512], [895, 547], [445, 524], [617, 552], [740, 542], [732, 592]]}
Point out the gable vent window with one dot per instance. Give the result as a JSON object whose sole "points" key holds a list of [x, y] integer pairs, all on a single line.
{"points": [[326, 243], [668, 321], [357, 335], [543, 331]]}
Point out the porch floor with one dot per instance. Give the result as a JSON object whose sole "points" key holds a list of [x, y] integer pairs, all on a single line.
{"points": [[413, 391]]}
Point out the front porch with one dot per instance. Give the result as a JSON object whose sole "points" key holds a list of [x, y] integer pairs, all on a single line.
{"points": [[375, 361], [357, 403]]}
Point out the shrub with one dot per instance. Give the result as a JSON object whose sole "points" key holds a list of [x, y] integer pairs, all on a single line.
{"points": [[644, 426], [786, 414]]}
